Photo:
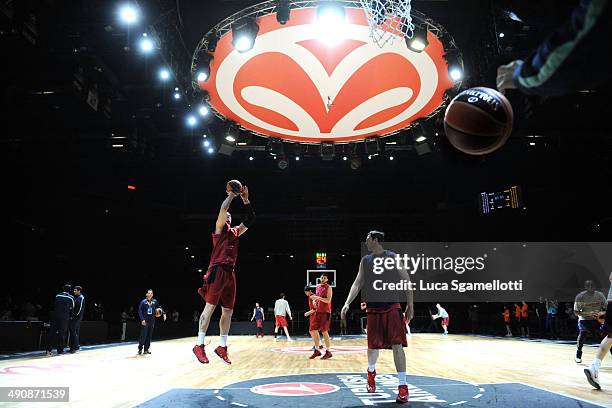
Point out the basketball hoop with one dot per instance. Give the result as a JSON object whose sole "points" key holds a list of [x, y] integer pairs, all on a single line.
{"points": [[388, 20]]}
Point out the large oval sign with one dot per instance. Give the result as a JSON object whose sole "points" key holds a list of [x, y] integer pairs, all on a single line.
{"points": [[295, 85]]}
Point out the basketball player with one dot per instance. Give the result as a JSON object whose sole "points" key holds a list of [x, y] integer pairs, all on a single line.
{"points": [[146, 312], [444, 315], [525, 320], [219, 286], [312, 309], [592, 373], [322, 317], [506, 315], [587, 305], [258, 315], [385, 324], [281, 308]]}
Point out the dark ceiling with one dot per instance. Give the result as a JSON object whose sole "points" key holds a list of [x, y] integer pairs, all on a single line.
{"points": [[65, 186]]}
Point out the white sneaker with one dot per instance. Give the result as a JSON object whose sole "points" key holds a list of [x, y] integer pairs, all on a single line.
{"points": [[592, 376], [578, 360], [290, 339]]}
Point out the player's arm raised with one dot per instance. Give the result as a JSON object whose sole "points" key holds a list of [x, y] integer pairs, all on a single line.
{"points": [[222, 217], [355, 288], [250, 219]]}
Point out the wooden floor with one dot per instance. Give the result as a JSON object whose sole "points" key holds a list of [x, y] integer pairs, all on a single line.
{"points": [[117, 377]]}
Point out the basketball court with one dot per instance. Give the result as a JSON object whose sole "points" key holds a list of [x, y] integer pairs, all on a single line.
{"points": [[453, 371]]}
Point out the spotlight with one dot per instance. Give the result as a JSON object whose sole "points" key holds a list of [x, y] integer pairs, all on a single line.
{"points": [[282, 163], [203, 66], [275, 147], [192, 121], [146, 44], [455, 73], [420, 139], [203, 110], [390, 157], [206, 143], [418, 42], [243, 34], [177, 96], [128, 14], [230, 138], [372, 147], [355, 164], [211, 150], [331, 18], [211, 41], [297, 158], [345, 158], [250, 158], [502, 35], [164, 74], [328, 151], [282, 11], [232, 133]]}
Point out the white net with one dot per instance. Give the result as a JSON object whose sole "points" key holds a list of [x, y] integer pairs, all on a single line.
{"points": [[389, 20]]}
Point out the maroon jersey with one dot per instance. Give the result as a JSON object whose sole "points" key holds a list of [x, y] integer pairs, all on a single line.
{"points": [[225, 247], [323, 307]]}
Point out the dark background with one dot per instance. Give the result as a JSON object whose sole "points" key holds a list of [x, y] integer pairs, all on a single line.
{"points": [[67, 215]]}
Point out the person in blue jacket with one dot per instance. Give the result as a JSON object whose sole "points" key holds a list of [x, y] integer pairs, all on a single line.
{"points": [[75, 319], [573, 58], [146, 312], [62, 308]]}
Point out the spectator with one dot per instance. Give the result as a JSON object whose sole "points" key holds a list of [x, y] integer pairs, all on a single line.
{"points": [[175, 316], [551, 318], [473, 317]]}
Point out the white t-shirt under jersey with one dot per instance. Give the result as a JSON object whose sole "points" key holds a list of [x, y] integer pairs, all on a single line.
{"points": [[281, 307]]}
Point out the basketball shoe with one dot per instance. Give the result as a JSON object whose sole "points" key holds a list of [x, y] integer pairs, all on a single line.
{"points": [[222, 353], [371, 386], [200, 354], [402, 394]]}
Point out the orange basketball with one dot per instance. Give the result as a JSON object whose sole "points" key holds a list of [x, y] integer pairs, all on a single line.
{"points": [[478, 121], [234, 186], [158, 312]]}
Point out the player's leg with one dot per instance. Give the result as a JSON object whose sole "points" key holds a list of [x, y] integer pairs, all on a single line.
{"points": [[287, 333], [224, 327], [372, 358], [592, 373], [314, 333], [205, 317], [327, 341], [583, 334]]}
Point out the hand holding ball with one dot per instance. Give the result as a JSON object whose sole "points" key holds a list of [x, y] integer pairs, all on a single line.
{"points": [[158, 312], [233, 186], [478, 121]]}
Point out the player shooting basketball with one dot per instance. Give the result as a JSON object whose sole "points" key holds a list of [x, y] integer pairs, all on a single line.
{"points": [[385, 321], [219, 287]]}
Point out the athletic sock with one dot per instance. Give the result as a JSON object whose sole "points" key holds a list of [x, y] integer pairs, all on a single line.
{"points": [[401, 377], [223, 340], [371, 367], [201, 336], [596, 364]]}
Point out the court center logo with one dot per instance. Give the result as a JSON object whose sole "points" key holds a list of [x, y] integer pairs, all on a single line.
{"points": [[294, 86]]}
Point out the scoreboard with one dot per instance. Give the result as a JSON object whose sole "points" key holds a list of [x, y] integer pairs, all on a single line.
{"points": [[509, 198]]}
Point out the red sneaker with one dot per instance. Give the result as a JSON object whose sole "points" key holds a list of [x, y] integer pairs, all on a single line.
{"points": [[222, 353], [371, 387], [402, 394], [315, 354], [326, 355], [200, 354]]}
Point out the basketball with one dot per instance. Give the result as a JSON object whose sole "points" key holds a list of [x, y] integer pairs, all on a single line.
{"points": [[234, 186], [478, 121], [158, 312]]}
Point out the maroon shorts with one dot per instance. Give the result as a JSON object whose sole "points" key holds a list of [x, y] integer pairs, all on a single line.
{"points": [[281, 321], [320, 321], [386, 327], [259, 323], [445, 321], [220, 286]]}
